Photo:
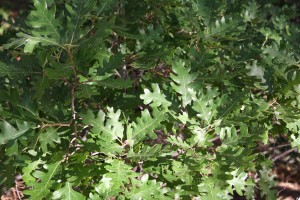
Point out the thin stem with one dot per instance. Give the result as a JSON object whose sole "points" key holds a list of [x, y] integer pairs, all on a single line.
{"points": [[17, 191], [54, 125], [284, 154], [73, 87], [73, 103], [215, 139]]}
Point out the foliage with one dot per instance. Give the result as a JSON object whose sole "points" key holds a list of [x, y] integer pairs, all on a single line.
{"points": [[103, 99]]}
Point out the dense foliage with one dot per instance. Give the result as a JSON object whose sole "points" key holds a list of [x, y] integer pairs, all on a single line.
{"points": [[164, 99]]}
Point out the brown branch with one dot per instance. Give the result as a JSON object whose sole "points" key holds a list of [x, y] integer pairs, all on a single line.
{"points": [[55, 125], [73, 87], [280, 146], [215, 139], [73, 102], [284, 154], [59, 125], [17, 191], [68, 154]]}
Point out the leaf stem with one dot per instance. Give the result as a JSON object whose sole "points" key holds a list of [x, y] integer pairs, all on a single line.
{"points": [[54, 125], [73, 87]]}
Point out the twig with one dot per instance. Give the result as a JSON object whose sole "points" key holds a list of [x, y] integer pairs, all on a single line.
{"points": [[284, 154], [280, 191], [17, 191], [282, 145], [66, 158], [96, 153], [54, 125], [75, 82], [215, 139], [73, 102]]}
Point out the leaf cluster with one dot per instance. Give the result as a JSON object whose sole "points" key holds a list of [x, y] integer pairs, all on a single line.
{"points": [[165, 99]]}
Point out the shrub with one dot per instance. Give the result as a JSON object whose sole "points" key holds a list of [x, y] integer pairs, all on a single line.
{"points": [[165, 99]]}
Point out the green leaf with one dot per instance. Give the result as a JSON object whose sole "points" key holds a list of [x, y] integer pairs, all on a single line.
{"points": [[118, 175], [40, 86], [295, 142], [11, 133], [144, 126], [78, 13], [105, 5], [67, 193], [15, 70], [156, 98], [238, 182], [12, 148], [207, 9], [116, 83], [86, 91], [44, 26], [146, 189], [31, 167], [267, 183], [43, 18], [148, 36], [211, 190], [105, 124], [269, 34], [182, 172], [200, 135], [256, 71], [282, 56], [49, 137], [294, 126], [5, 69], [105, 186], [182, 82], [42, 188], [59, 71], [107, 66], [221, 28], [207, 105], [107, 128], [179, 142], [30, 42], [146, 153]]}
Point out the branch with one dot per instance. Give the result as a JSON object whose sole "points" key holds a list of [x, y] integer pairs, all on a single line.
{"points": [[284, 154], [54, 125], [73, 87], [73, 102]]}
